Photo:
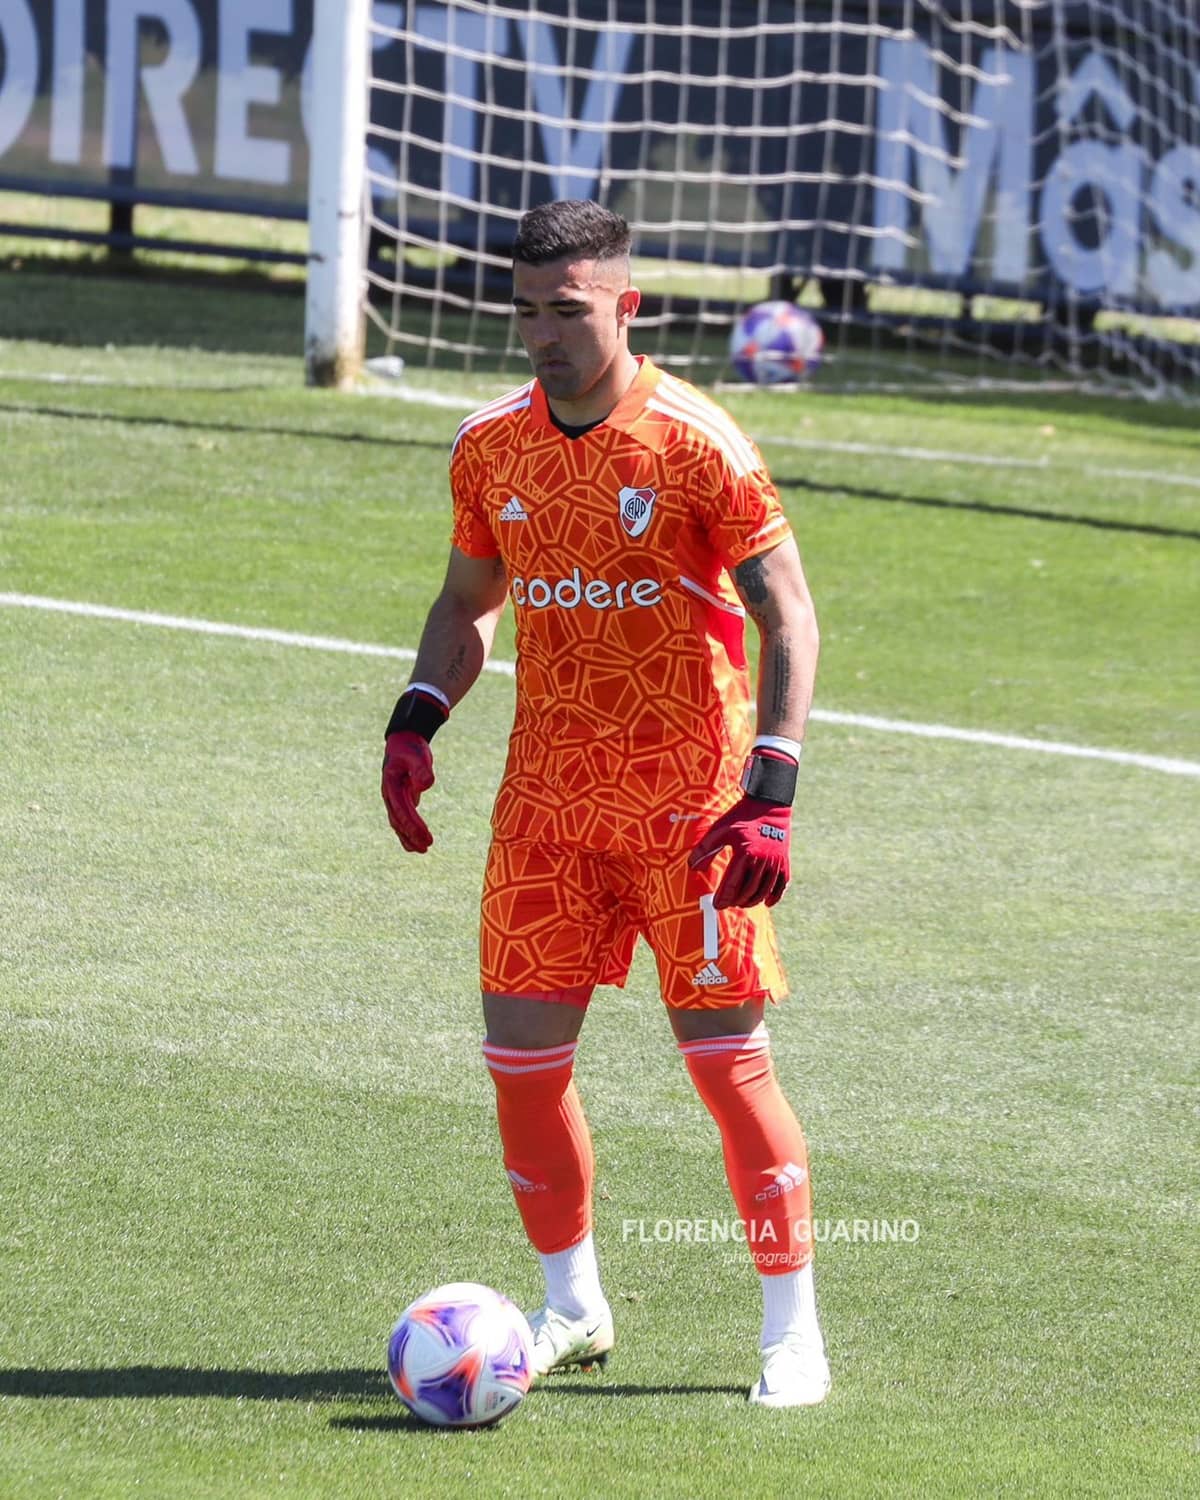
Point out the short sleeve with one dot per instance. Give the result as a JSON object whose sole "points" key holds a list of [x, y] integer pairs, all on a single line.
{"points": [[742, 512], [472, 532]]}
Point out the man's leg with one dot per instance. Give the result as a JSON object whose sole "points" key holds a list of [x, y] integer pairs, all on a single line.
{"points": [[530, 1052], [529, 1049], [766, 1161], [716, 969]]}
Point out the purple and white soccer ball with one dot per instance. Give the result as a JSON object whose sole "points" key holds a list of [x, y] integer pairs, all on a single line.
{"points": [[775, 342], [461, 1356]]}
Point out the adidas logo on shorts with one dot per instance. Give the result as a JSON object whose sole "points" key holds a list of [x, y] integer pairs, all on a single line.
{"points": [[710, 974], [514, 511]]}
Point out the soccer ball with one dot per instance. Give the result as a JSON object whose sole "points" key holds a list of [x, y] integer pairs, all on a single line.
{"points": [[775, 342], [461, 1356]]}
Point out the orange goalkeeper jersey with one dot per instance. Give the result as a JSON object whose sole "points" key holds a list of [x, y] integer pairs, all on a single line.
{"points": [[633, 700]]}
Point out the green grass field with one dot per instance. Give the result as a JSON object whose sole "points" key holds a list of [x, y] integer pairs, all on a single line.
{"points": [[245, 1119]]}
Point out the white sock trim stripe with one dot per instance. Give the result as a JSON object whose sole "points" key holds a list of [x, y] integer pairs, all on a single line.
{"points": [[542, 1067], [528, 1059], [749, 1041], [725, 1051], [528, 1054]]}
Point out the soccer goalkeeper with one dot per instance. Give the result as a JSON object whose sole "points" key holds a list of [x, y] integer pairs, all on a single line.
{"points": [[634, 527]]}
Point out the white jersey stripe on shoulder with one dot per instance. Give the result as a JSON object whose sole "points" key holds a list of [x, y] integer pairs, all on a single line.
{"points": [[487, 416], [711, 415], [688, 397], [517, 401], [772, 525], [511, 401], [513, 395], [739, 462]]}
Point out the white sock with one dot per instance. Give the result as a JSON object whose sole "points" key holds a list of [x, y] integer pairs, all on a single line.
{"points": [[790, 1306], [573, 1280]]}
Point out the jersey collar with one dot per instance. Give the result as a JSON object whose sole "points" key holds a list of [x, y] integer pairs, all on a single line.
{"points": [[623, 415]]}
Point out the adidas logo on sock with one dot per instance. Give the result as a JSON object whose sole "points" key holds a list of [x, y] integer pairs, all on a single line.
{"points": [[791, 1177], [523, 1184], [514, 510], [710, 974]]}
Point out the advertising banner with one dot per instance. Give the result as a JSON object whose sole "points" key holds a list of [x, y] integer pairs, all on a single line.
{"points": [[196, 102], [1035, 157]]}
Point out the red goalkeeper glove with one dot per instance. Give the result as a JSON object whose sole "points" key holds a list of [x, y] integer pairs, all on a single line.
{"points": [[759, 831], [408, 764]]}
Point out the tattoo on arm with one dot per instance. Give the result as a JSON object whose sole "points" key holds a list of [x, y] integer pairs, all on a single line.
{"points": [[455, 670], [751, 579], [781, 676]]}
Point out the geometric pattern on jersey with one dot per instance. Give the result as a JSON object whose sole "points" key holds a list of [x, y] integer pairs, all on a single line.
{"points": [[633, 697], [556, 918]]}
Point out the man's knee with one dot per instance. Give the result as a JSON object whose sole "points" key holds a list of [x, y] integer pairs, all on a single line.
{"points": [[531, 1022]]}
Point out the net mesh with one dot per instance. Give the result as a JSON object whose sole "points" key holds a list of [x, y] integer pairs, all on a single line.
{"points": [[990, 190]]}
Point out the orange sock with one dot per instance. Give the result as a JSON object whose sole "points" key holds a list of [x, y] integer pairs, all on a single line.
{"points": [[766, 1159], [547, 1145]]}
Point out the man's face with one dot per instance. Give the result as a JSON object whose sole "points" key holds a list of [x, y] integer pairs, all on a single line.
{"points": [[572, 316]]}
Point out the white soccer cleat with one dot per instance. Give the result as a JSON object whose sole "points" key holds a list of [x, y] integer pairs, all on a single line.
{"points": [[559, 1341], [795, 1373]]}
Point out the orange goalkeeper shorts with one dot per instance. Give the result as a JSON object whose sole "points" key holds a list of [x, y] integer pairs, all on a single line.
{"points": [[561, 919]]}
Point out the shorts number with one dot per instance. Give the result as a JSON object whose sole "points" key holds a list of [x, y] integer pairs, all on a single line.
{"points": [[712, 931]]}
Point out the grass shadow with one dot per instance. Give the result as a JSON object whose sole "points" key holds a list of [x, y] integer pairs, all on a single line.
{"points": [[401, 1421], [983, 507], [193, 424], [151, 1381], [587, 1388]]}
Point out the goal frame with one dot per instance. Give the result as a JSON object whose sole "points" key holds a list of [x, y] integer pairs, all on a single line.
{"points": [[334, 323], [937, 212]]}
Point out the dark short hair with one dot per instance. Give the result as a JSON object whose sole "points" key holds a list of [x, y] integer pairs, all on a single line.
{"points": [[570, 227]]}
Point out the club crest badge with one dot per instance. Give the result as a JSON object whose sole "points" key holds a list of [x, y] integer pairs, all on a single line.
{"points": [[636, 508]]}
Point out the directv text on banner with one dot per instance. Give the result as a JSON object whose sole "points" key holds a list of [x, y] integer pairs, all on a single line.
{"points": [[914, 169], [199, 101]]}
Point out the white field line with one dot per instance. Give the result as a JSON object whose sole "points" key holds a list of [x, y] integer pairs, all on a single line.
{"points": [[111, 382], [1170, 765], [981, 460], [398, 390], [1044, 464]]}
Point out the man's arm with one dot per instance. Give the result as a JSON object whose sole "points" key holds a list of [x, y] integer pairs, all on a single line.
{"points": [[461, 624], [774, 590], [758, 828], [455, 643]]}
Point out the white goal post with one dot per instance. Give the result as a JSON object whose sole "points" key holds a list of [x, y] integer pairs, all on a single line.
{"points": [[333, 317], [962, 190]]}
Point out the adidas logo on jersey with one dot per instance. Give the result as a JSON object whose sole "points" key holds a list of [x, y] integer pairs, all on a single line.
{"points": [[791, 1177], [710, 974], [514, 510]]}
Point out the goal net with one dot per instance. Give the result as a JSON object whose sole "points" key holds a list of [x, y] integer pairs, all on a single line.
{"points": [[989, 189]]}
